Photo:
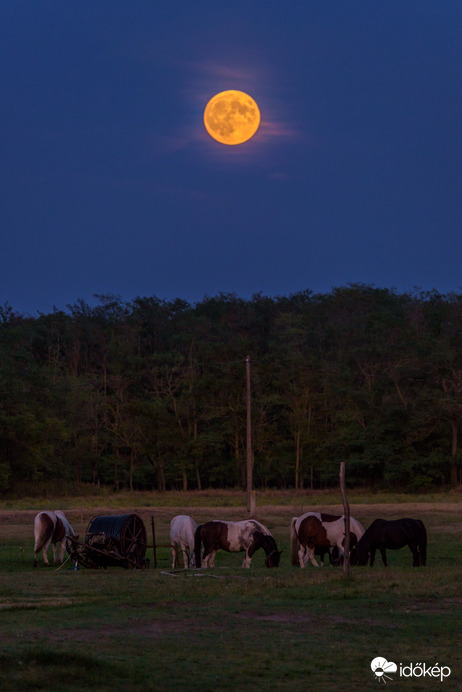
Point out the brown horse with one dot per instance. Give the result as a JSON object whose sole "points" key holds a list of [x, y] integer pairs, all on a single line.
{"points": [[51, 527], [319, 532]]}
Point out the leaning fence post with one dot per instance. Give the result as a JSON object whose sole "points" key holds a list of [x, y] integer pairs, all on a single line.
{"points": [[346, 513], [154, 547]]}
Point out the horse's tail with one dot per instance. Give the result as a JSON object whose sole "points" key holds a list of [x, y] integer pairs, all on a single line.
{"points": [[198, 546], [37, 533], [43, 530], [423, 544], [294, 544]]}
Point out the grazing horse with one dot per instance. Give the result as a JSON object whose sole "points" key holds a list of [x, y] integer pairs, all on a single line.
{"points": [[51, 527], [383, 534], [319, 532], [182, 530], [235, 537]]}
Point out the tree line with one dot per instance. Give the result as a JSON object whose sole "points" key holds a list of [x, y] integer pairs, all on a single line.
{"points": [[151, 394]]}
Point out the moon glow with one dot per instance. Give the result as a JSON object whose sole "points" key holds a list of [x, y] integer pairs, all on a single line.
{"points": [[231, 117]]}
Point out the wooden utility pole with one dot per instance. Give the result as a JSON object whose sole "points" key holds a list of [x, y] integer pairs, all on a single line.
{"points": [[251, 503], [154, 547], [346, 512]]}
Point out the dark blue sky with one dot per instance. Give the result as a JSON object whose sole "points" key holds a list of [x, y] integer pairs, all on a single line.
{"points": [[111, 185]]}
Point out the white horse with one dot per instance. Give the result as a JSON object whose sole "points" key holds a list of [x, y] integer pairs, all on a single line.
{"points": [[51, 527], [182, 530]]}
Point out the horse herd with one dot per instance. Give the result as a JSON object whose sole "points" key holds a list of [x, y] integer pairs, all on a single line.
{"points": [[313, 533]]}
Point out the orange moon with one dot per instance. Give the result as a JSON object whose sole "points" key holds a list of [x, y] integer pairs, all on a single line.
{"points": [[231, 117]]}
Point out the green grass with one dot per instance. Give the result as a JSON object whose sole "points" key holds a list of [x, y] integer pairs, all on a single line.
{"points": [[291, 630], [228, 628]]}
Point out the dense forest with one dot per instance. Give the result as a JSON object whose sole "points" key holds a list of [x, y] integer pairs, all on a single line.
{"points": [[151, 394]]}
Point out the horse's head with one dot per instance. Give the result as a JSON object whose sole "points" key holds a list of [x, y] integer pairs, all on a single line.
{"points": [[273, 558], [359, 555], [267, 542], [71, 546]]}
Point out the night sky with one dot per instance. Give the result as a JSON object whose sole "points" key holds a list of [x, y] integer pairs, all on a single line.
{"points": [[111, 185]]}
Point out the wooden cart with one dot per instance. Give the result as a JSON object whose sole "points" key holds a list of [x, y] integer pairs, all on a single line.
{"points": [[112, 541]]}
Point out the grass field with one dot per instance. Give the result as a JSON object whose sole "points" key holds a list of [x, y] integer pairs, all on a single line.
{"points": [[228, 628]]}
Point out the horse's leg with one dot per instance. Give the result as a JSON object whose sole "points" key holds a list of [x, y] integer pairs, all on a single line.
{"points": [[45, 552], [255, 545], [36, 554], [422, 545], [184, 552], [247, 559], [174, 556], [192, 559], [341, 552], [311, 557], [415, 555], [422, 554], [41, 547], [208, 558], [373, 555], [61, 550], [335, 557], [383, 554], [58, 558]]}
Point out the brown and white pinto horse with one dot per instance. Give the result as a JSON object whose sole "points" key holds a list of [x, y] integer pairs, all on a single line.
{"points": [[235, 537], [316, 531], [51, 527]]}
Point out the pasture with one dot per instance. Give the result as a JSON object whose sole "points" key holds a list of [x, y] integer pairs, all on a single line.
{"points": [[228, 628]]}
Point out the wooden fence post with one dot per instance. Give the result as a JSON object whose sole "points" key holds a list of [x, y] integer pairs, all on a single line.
{"points": [[154, 547], [346, 512]]}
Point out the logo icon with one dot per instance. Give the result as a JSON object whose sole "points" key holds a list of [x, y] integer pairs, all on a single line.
{"points": [[381, 667]]}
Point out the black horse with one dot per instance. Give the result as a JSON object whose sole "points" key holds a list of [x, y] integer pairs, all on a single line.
{"points": [[383, 534]]}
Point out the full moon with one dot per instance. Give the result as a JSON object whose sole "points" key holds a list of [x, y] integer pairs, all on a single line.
{"points": [[231, 117]]}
